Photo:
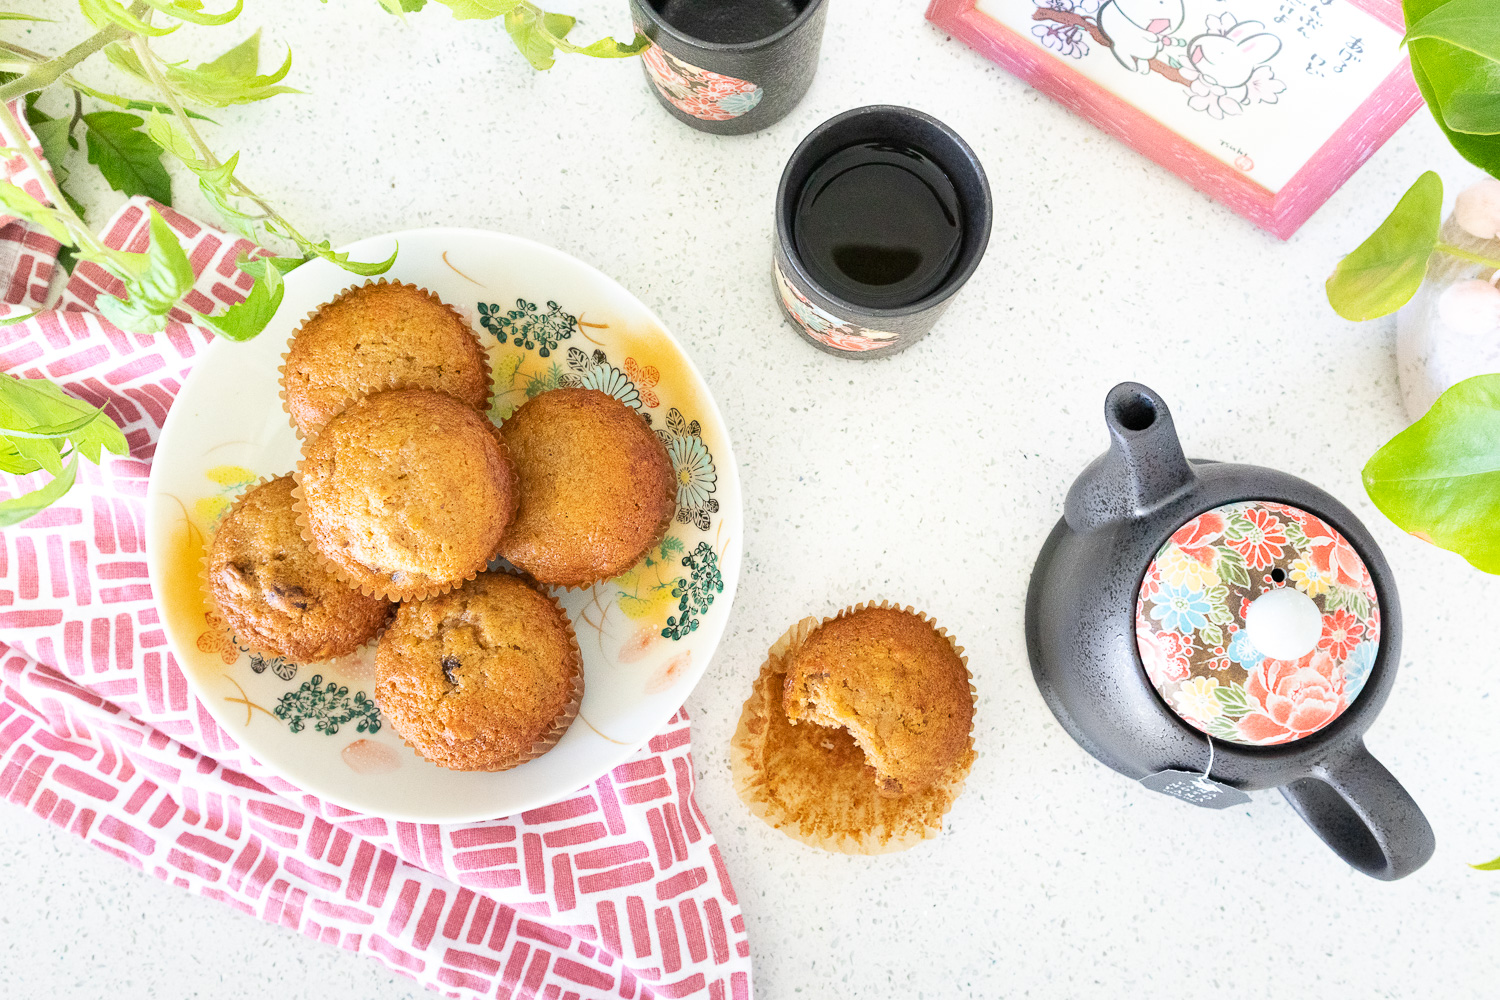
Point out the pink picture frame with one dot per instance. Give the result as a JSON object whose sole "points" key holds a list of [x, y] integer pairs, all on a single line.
{"points": [[1281, 213]]}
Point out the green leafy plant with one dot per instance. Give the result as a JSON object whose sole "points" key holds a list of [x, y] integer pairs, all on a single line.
{"points": [[1455, 58], [130, 140], [1440, 478], [42, 427]]}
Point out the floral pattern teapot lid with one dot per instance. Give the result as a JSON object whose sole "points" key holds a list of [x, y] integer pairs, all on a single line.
{"points": [[1257, 623]]}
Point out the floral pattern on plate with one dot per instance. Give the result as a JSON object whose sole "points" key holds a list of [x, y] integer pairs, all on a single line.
{"points": [[1190, 623], [825, 327], [648, 591], [702, 93]]}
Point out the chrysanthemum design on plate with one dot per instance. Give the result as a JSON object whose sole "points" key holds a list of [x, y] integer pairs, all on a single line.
{"points": [[702, 93], [825, 327], [1191, 612], [676, 583]]}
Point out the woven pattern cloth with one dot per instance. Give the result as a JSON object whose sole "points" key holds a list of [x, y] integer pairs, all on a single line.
{"points": [[618, 890]]}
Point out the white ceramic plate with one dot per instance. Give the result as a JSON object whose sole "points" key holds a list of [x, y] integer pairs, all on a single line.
{"points": [[546, 320]]}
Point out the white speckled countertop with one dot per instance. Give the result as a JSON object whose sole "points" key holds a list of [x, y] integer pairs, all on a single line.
{"points": [[930, 478]]}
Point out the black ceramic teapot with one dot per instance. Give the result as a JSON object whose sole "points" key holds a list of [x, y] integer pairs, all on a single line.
{"points": [[1211, 628]]}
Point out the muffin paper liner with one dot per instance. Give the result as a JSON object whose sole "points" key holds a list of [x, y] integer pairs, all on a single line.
{"points": [[564, 717], [369, 588], [813, 783], [489, 387], [218, 610]]}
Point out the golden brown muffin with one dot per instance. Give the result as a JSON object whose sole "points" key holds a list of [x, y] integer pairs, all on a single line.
{"points": [[481, 678], [406, 493], [815, 784], [597, 487], [275, 593], [380, 336], [898, 686]]}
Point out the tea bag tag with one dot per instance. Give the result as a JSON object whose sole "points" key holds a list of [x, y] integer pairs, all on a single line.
{"points": [[1190, 786], [1199, 789]]}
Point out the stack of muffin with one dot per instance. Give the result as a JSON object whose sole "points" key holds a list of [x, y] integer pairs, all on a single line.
{"points": [[405, 494]]}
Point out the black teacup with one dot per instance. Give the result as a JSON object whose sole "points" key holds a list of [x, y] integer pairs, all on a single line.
{"points": [[730, 67], [883, 213]]}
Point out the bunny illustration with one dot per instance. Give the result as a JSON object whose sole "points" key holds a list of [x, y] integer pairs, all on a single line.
{"points": [[1137, 29], [1228, 60]]}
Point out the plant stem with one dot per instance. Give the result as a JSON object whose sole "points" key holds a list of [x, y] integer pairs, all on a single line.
{"points": [[49, 71], [207, 155], [1467, 255]]}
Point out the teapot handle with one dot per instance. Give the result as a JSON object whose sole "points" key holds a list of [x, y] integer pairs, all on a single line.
{"points": [[1362, 812]]}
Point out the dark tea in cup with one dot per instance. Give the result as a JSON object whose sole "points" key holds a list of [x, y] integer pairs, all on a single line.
{"points": [[879, 224]]}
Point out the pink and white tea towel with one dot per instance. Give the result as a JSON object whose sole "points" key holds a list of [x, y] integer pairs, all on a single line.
{"points": [[617, 891]]}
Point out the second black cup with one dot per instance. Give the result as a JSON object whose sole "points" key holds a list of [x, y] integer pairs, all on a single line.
{"points": [[883, 213], [730, 67]]}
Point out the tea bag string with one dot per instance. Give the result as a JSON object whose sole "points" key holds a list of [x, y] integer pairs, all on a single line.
{"points": [[1203, 780]]}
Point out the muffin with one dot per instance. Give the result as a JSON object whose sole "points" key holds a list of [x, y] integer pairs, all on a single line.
{"points": [[274, 592], [406, 493], [896, 685], [597, 489], [481, 678], [817, 783], [380, 336]]}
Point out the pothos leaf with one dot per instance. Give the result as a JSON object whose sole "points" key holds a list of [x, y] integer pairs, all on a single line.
{"points": [[1385, 271], [248, 318], [1440, 478], [129, 159], [1447, 42], [1469, 24], [163, 276]]}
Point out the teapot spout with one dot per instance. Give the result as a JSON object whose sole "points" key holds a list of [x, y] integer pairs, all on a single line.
{"points": [[1143, 469]]}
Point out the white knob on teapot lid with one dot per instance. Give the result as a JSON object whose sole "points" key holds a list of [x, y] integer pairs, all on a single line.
{"points": [[1284, 624]]}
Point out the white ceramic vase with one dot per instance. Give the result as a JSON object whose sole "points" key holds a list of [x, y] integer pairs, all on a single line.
{"points": [[1431, 356]]}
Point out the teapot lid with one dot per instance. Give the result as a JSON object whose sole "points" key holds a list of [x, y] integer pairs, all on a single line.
{"points": [[1258, 623]]}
